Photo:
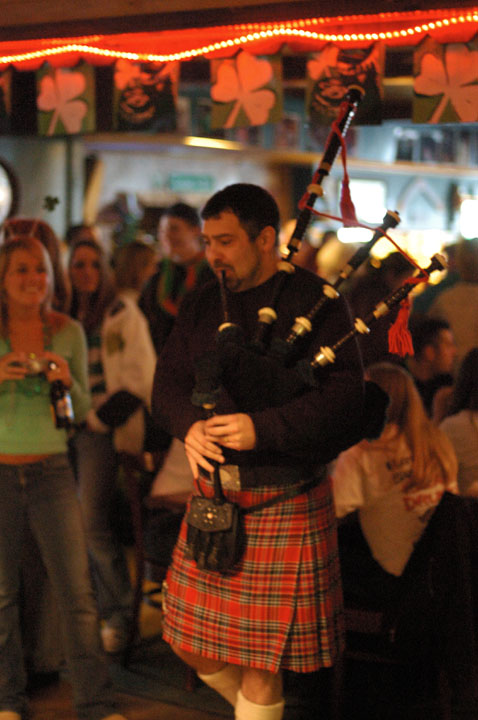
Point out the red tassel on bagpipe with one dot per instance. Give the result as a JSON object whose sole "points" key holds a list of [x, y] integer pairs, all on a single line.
{"points": [[399, 337], [347, 208]]}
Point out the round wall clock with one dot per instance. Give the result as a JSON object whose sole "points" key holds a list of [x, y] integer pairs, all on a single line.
{"points": [[8, 191]]}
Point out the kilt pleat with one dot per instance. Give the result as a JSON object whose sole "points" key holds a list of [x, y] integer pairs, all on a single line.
{"points": [[283, 607]]}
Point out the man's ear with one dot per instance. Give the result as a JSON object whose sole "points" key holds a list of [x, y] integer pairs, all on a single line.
{"points": [[267, 238]]}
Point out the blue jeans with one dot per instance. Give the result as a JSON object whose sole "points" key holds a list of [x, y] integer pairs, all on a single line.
{"points": [[96, 467], [43, 495]]}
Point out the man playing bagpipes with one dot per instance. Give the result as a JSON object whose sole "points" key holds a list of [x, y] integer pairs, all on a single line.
{"points": [[257, 439]]}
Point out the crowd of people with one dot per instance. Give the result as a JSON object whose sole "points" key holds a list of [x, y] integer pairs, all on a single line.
{"points": [[71, 316], [160, 346]]}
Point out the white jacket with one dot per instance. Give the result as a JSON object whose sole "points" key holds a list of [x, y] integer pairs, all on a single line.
{"points": [[129, 362]]}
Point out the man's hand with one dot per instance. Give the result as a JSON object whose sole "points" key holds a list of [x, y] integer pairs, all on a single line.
{"points": [[204, 439], [199, 446], [236, 432]]}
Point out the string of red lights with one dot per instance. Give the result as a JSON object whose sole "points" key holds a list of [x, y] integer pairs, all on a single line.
{"points": [[299, 35]]}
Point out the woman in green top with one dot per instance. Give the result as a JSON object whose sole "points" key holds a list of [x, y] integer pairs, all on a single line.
{"points": [[37, 347]]}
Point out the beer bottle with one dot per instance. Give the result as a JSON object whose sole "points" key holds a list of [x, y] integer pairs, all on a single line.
{"points": [[61, 405]]}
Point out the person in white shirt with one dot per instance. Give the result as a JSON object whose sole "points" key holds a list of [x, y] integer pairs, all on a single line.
{"points": [[127, 351], [396, 481], [457, 304]]}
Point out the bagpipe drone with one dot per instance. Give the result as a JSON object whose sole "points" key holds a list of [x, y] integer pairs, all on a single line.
{"points": [[269, 373]]}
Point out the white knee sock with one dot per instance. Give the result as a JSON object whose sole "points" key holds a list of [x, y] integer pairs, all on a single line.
{"points": [[226, 682], [247, 710]]}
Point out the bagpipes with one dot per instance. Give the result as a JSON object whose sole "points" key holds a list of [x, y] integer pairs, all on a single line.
{"points": [[268, 373], [267, 315]]}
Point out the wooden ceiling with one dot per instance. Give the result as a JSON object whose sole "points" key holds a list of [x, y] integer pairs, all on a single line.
{"points": [[24, 19]]}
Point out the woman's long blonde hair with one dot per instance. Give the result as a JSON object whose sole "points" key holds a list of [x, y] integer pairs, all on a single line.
{"points": [[16, 227], [430, 449], [31, 245]]}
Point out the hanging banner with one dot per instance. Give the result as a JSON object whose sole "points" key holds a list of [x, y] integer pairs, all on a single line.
{"points": [[331, 72], [246, 90], [66, 100], [145, 96], [445, 85]]}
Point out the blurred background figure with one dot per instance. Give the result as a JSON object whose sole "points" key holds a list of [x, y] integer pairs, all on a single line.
{"points": [[332, 255], [423, 301], [373, 282], [118, 223], [92, 293], [95, 459], [376, 279], [306, 254], [182, 268], [34, 227], [457, 305], [394, 483], [129, 361], [461, 424], [76, 233], [128, 355], [432, 364]]}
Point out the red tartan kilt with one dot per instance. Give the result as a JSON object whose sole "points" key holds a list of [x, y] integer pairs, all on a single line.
{"points": [[283, 608]]}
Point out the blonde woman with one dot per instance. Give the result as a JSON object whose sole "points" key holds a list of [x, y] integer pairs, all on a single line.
{"points": [[37, 347], [396, 481], [42, 231]]}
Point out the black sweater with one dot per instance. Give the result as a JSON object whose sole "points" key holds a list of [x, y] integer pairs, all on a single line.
{"points": [[296, 430]]}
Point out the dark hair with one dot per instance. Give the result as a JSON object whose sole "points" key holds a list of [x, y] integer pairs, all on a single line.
{"points": [[425, 330], [254, 207], [75, 233], [396, 264], [465, 391], [184, 212]]}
